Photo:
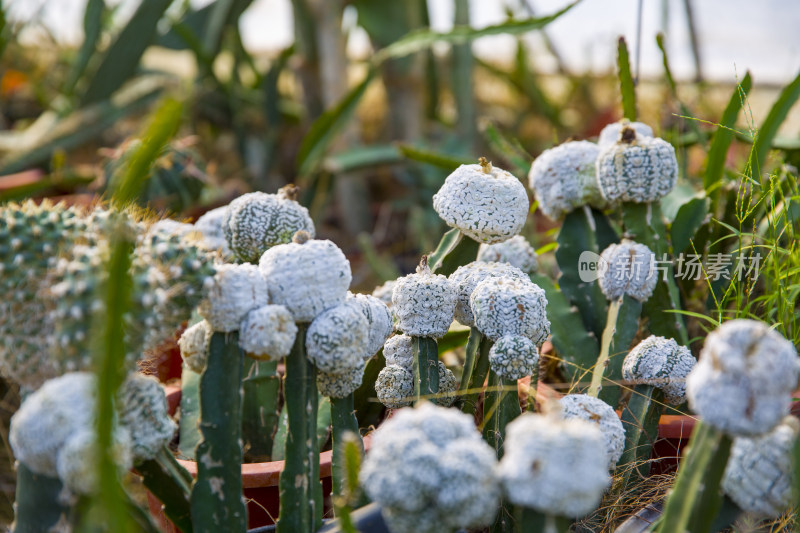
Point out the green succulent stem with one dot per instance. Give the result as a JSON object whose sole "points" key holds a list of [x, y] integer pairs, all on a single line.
{"points": [[37, 506], [261, 385], [478, 377], [532, 521], [216, 498], [454, 250], [426, 368], [640, 420], [343, 423], [168, 481], [300, 488], [473, 345], [500, 406], [190, 413], [622, 323], [696, 497]]}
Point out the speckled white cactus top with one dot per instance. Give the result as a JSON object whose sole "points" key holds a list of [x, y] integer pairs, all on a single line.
{"points": [[77, 459], [233, 292], [258, 221], [505, 306], [307, 276], [627, 268], [399, 350], [565, 178], [194, 344], [268, 333], [430, 470], [48, 417], [514, 357], [558, 467], [467, 277], [610, 134], [516, 251], [662, 363], [395, 386], [340, 385], [379, 319], [485, 203], [603, 416], [210, 225], [743, 381], [424, 303], [636, 169], [142, 409], [336, 341], [759, 472]]}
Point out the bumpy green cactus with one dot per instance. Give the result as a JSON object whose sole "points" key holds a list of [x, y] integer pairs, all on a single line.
{"points": [[261, 389]]}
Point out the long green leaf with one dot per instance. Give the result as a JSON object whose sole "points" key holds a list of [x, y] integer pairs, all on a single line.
{"points": [[437, 159], [688, 220], [92, 28], [626, 85], [774, 119], [122, 57]]}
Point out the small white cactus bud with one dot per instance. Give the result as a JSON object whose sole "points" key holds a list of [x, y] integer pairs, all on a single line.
{"points": [[210, 225], [636, 169], [142, 407], [558, 467], [235, 291], [743, 381], [514, 357], [759, 472], [610, 134], [627, 268], [565, 178], [424, 303], [467, 277], [505, 306], [340, 385], [306, 278], [257, 221], [77, 459], [485, 203], [399, 350], [395, 386], [603, 416], [662, 363], [268, 333], [379, 319], [516, 251], [337, 339]]}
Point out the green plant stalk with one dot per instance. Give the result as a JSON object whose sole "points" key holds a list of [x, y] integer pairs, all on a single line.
{"points": [[216, 498], [473, 344], [300, 509], [260, 411], [190, 413], [622, 323], [426, 368], [343, 423], [478, 378], [168, 481], [696, 497], [454, 250], [37, 507], [500, 407], [640, 420]]}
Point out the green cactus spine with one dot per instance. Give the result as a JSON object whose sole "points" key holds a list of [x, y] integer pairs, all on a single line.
{"points": [[300, 488], [37, 506], [216, 498], [172, 485], [426, 368]]}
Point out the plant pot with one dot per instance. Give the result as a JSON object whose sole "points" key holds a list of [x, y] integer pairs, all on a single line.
{"points": [[259, 480]]}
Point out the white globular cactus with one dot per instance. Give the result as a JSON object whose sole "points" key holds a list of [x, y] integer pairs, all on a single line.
{"points": [[467, 277], [448, 385], [424, 303], [516, 251], [142, 409], [565, 178], [661, 363], [636, 169], [485, 203], [602, 415], [77, 459], [210, 225], [306, 276], [557, 467], [255, 222], [379, 319], [431, 464], [48, 417], [610, 133], [395, 386], [337, 339], [514, 357], [194, 344], [340, 385], [233, 292], [627, 268], [505, 306], [399, 350], [268, 333], [759, 475], [743, 381]]}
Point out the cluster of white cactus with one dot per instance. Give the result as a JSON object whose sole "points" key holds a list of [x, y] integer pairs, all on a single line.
{"points": [[662, 363], [627, 268]]}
